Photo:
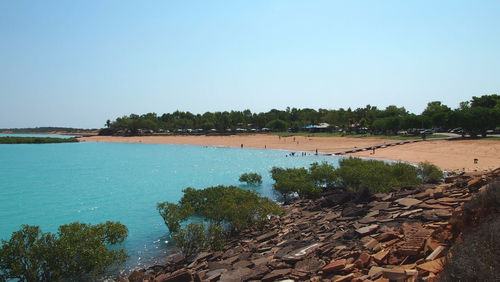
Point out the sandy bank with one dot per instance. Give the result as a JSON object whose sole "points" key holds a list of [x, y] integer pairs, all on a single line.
{"points": [[449, 155]]}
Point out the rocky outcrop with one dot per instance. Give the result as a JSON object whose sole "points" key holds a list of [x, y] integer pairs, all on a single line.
{"points": [[402, 235]]}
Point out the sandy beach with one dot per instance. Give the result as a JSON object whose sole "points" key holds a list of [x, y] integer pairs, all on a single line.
{"points": [[457, 155]]}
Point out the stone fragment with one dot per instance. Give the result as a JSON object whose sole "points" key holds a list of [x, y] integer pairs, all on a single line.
{"points": [[275, 274], [214, 277], [410, 212], [395, 274], [435, 254], [262, 261], [181, 276], [371, 244], [408, 202], [351, 210], [422, 195], [367, 219], [386, 236], [239, 274], [216, 271], [212, 265], [367, 229], [266, 236], [415, 237], [302, 252], [258, 272], [375, 272], [136, 276], [242, 263], [433, 266], [311, 265], [344, 278], [381, 206], [334, 266], [349, 267], [176, 258], [362, 260], [380, 256]]}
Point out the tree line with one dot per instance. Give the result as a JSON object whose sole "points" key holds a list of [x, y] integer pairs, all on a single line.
{"points": [[474, 117]]}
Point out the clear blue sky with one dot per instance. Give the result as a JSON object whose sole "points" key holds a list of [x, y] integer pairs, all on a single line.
{"points": [[78, 63]]}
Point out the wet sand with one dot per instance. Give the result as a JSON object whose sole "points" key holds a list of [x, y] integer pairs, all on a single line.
{"points": [[454, 155]]}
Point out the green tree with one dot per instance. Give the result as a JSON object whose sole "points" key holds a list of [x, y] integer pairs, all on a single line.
{"points": [[277, 125], [173, 214], [430, 173], [78, 252], [232, 206], [323, 174], [191, 239], [251, 178], [294, 180], [437, 113], [376, 176]]}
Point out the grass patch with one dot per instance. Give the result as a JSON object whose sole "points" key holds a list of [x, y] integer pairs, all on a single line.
{"points": [[307, 134], [35, 140], [490, 138], [368, 135]]}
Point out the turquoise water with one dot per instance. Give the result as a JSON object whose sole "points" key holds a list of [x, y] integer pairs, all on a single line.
{"points": [[54, 184]]}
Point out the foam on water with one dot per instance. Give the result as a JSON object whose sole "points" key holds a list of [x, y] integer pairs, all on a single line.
{"points": [[54, 184]]}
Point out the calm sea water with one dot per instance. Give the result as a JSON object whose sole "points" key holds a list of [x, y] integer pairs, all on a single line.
{"points": [[54, 184]]}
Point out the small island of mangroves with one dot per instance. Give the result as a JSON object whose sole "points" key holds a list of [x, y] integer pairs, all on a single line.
{"points": [[35, 140]]}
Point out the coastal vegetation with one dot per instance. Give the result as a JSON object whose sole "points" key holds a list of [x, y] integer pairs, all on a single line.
{"points": [[49, 129], [251, 178], [294, 180], [474, 117], [35, 140], [354, 174], [78, 252], [228, 209]]}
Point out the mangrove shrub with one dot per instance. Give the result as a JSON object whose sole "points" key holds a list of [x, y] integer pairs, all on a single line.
{"points": [[77, 252], [376, 176], [251, 178], [294, 180], [430, 173], [173, 214], [235, 207]]}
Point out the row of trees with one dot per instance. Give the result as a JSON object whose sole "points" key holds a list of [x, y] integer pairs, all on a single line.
{"points": [[475, 116]]}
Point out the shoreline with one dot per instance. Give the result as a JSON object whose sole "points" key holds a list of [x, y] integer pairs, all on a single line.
{"points": [[451, 156]]}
